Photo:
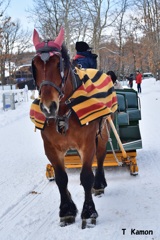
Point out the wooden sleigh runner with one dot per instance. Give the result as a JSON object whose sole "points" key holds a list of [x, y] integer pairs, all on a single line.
{"points": [[125, 138]]}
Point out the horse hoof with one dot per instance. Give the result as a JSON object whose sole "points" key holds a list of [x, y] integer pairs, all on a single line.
{"points": [[67, 220], [88, 223], [98, 192]]}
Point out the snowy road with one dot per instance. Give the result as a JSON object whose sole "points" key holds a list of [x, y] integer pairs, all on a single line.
{"points": [[29, 204]]}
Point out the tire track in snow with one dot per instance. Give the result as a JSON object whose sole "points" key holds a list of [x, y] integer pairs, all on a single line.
{"points": [[2, 182], [20, 207], [25, 214], [48, 222]]}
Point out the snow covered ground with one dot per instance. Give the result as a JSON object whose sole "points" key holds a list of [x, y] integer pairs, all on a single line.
{"points": [[29, 204]]}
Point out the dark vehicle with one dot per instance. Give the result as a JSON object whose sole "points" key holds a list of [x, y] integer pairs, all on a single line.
{"points": [[29, 83], [24, 77]]}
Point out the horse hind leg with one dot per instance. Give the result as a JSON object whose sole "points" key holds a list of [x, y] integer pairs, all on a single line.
{"points": [[89, 212], [88, 180], [99, 181]]}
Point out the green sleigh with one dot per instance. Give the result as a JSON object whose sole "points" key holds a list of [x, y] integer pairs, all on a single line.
{"points": [[126, 125]]}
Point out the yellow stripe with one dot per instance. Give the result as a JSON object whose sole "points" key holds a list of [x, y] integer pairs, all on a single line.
{"points": [[95, 90], [90, 72], [35, 120], [96, 83], [91, 75], [114, 108], [92, 112], [36, 107], [79, 93], [92, 101], [37, 124], [94, 116]]}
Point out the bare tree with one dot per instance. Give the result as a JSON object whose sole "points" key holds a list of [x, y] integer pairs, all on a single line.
{"points": [[111, 27], [120, 31], [3, 6], [3, 20], [83, 20], [14, 41], [150, 26]]}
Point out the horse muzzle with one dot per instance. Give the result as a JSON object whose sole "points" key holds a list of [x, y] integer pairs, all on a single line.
{"points": [[51, 111]]}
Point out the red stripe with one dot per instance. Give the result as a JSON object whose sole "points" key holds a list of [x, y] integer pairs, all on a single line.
{"points": [[95, 107], [37, 115], [92, 86], [100, 86], [81, 88]]}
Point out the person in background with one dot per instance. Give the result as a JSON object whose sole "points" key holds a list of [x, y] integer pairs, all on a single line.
{"points": [[117, 84], [130, 79], [84, 57], [138, 81]]}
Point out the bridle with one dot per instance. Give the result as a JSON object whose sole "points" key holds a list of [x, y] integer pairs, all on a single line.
{"points": [[45, 53]]}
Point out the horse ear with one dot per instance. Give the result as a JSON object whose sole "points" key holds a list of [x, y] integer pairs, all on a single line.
{"points": [[36, 39], [60, 38]]}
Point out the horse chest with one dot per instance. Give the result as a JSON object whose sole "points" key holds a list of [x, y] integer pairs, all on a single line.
{"points": [[60, 141]]}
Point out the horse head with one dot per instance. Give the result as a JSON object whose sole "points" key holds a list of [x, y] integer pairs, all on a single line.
{"points": [[50, 72]]}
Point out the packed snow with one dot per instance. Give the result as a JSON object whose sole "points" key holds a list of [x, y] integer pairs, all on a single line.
{"points": [[29, 203]]}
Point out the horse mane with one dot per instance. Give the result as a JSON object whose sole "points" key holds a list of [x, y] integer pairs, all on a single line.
{"points": [[65, 56]]}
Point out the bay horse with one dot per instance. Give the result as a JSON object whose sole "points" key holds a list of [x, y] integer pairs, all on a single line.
{"points": [[54, 77]]}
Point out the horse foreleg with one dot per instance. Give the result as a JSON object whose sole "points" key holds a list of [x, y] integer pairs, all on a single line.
{"points": [[68, 209], [87, 179]]}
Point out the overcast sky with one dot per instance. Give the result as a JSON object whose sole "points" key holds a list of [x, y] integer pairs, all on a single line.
{"points": [[17, 10]]}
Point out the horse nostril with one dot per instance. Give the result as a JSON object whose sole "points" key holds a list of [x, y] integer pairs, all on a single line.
{"points": [[49, 112], [44, 109], [53, 107]]}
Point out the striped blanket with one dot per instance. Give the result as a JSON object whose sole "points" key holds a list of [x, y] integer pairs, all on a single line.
{"points": [[36, 115], [95, 98]]}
